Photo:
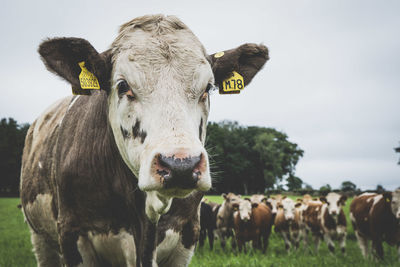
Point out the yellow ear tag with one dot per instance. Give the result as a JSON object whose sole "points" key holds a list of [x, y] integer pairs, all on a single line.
{"points": [[219, 54], [87, 79], [387, 200], [232, 85]]}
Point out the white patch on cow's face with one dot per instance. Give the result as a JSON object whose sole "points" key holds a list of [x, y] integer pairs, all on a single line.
{"points": [[245, 210], [333, 204], [395, 204], [166, 75], [288, 208], [274, 205]]}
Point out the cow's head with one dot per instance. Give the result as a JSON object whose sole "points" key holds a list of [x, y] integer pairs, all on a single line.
{"points": [[157, 77], [244, 207], [334, 203], [272, 203], [288, 206], [394, 199]]}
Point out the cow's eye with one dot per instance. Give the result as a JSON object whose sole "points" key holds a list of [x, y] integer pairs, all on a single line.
{"points": [[124, 89], [209, 88]]}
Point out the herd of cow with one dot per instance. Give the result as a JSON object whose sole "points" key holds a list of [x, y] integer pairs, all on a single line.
{"points": [[374, 217]]}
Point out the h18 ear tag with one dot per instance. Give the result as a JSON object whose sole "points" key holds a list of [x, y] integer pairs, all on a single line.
{"points": [[232, 85], [87, 79]]}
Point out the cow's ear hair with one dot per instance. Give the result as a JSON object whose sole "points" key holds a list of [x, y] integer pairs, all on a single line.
{"points": [[387, 196], [284, 197], [63, 55], [223, 195], [246, 60], [254, 205], [248, 199], [323, 199], [298, 204], [264, 200], [269, 205]]}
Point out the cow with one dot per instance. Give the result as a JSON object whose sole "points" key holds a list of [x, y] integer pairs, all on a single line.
{"points": [[258, 198], [115, 174], [376, 217], [208, 222], [288, 222], [252, 222], [225, 219], [273, 203], [325, 219]]}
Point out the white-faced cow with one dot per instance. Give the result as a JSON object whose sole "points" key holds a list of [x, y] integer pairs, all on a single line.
{"points": [[225, 219], [376, 217], [115, 176], [288, 222], [325, 218], [252, 222]]}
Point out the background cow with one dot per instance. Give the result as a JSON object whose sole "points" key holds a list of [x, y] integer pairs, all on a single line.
{"points": [[325, 218], [252, 222], [115, 175], [288, 222], [225, 218], [376, 217], [208, 222]]}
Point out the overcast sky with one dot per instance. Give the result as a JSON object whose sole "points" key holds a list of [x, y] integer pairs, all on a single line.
{"points": [[332, 83]]}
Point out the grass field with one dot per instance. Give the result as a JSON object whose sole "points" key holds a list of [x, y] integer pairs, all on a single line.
{"points": [[16, 249]]}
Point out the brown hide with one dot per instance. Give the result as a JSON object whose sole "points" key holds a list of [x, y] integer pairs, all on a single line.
{"points": [[259, 226]]}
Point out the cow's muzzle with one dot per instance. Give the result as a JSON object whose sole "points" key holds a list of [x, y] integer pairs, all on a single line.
{"points": [[182, 172]]}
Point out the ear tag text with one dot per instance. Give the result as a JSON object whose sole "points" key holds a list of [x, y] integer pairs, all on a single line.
{"points": [[87, 79], [232, 85]]}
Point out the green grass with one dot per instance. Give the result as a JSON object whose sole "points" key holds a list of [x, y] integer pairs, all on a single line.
{"points": [[15, 243], [16, 249]]}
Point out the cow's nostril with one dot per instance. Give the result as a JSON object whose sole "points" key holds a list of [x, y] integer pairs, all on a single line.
{"points": [[179, 172]]}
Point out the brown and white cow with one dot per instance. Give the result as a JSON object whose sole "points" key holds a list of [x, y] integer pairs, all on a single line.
{"points": [[326, 219], [115, 176], [288, 222], [252, 222], [225, 219], [376, 217]]}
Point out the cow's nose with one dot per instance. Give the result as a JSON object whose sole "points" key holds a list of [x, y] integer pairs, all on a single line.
{"points": [[183, 172], [334, 212]]}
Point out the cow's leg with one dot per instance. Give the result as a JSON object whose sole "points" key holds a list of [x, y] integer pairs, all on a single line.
{"points": [[265, 242], [317, 240], [87, 251], [329, 242], [210, 233], [305, 237], [341, 231], [377, 245], [240, 243], [286, 239], [202, 237], [296, 238], [46, 253], [233, 241], [363, 244]]}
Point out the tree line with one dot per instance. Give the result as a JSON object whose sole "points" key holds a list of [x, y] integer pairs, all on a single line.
{"points": [[243, 160]]}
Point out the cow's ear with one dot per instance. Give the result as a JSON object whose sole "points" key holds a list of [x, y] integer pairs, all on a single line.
{"points": [[298, 204], [264, 200], [342, 200], [71, 58], [246, 60], [323, 199], [223, 195], [283, 197], [254, 205], [387, 196], [235, 206], [269, 205], [248, 199]]}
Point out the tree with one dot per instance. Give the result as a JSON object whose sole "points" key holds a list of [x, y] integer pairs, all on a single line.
{"points": [[12, 138], [249, 159], [325, 189], [397, 149], [379, 189], [348, 186], [294, 183]]}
